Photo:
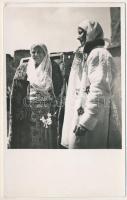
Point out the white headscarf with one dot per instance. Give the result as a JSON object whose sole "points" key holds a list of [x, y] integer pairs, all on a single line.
{"points": [[93, 29], [41, 77], [78, 80]]}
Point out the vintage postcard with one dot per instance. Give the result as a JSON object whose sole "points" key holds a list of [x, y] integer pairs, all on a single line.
{"points": [[63, 82]]}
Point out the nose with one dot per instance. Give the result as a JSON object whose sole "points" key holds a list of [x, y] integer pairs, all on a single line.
{"points": [[36, 53], [80, 36]]}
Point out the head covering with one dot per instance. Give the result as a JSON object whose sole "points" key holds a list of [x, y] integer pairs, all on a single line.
{"points": [[41, 77], [42, 46], [93, 30]]}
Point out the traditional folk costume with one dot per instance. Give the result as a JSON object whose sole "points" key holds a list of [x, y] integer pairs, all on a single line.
{"points": [[100, 116], [32, 115]]}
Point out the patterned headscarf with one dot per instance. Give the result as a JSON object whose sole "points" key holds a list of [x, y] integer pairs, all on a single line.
{"points": [[93, 30]]}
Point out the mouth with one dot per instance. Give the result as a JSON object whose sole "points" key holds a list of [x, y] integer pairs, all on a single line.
{"points": [[80, 38], [35, 58]]}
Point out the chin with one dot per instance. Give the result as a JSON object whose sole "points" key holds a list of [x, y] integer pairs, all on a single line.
{"points": [[36, 61]]}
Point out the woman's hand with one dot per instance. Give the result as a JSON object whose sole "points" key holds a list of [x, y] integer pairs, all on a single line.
{"points": [[80, 110], [80, 130]]}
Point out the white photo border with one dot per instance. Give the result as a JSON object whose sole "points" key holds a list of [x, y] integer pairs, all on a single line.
{"points": [[118, 156]]}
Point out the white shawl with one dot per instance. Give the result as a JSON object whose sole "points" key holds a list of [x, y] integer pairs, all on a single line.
{"points": [[41, 77], [74, 99]]}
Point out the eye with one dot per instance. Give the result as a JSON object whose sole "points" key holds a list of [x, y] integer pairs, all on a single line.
{"points": [[39, 51], [80, 31]]}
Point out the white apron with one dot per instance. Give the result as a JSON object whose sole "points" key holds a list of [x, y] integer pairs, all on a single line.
{"points": [[74, 99]]}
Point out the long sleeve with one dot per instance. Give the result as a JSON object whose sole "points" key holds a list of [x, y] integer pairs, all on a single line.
{"points": [[99, 87], [18, 111]]}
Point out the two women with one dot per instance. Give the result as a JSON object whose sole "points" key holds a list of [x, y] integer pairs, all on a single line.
{"points": [[33, 108], [91, 119]]}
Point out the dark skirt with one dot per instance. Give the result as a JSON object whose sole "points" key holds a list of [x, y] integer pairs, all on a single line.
{"points": [[26, 130]]}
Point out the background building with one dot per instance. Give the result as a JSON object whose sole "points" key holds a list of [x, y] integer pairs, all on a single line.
{"points": [[67, 57]]}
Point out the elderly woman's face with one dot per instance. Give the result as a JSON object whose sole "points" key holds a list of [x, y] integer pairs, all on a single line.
{"points": [[37, 54], [81, 36]]}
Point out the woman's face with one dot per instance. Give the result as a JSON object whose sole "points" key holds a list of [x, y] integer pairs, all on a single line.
{"points": [[37, 54], [81, 36]]}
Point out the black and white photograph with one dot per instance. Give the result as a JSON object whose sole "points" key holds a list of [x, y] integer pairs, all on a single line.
{"points": [[63, 77], [63, 100]]}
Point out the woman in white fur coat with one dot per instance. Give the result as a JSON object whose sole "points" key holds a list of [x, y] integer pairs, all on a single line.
{"points": [[91, 118]]}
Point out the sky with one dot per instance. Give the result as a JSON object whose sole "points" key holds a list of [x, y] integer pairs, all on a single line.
{"points": [[54, 26]]}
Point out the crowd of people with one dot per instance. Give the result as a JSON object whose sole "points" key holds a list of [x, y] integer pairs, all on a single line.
{"points": [[89, 116]]}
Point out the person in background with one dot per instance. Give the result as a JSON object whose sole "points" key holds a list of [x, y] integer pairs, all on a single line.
{"points": [[58, 83], [62, 96], [33, 103], [91, 118]]}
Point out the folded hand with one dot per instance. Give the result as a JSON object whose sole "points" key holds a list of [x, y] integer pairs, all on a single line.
{"points": [[80, 130]]}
